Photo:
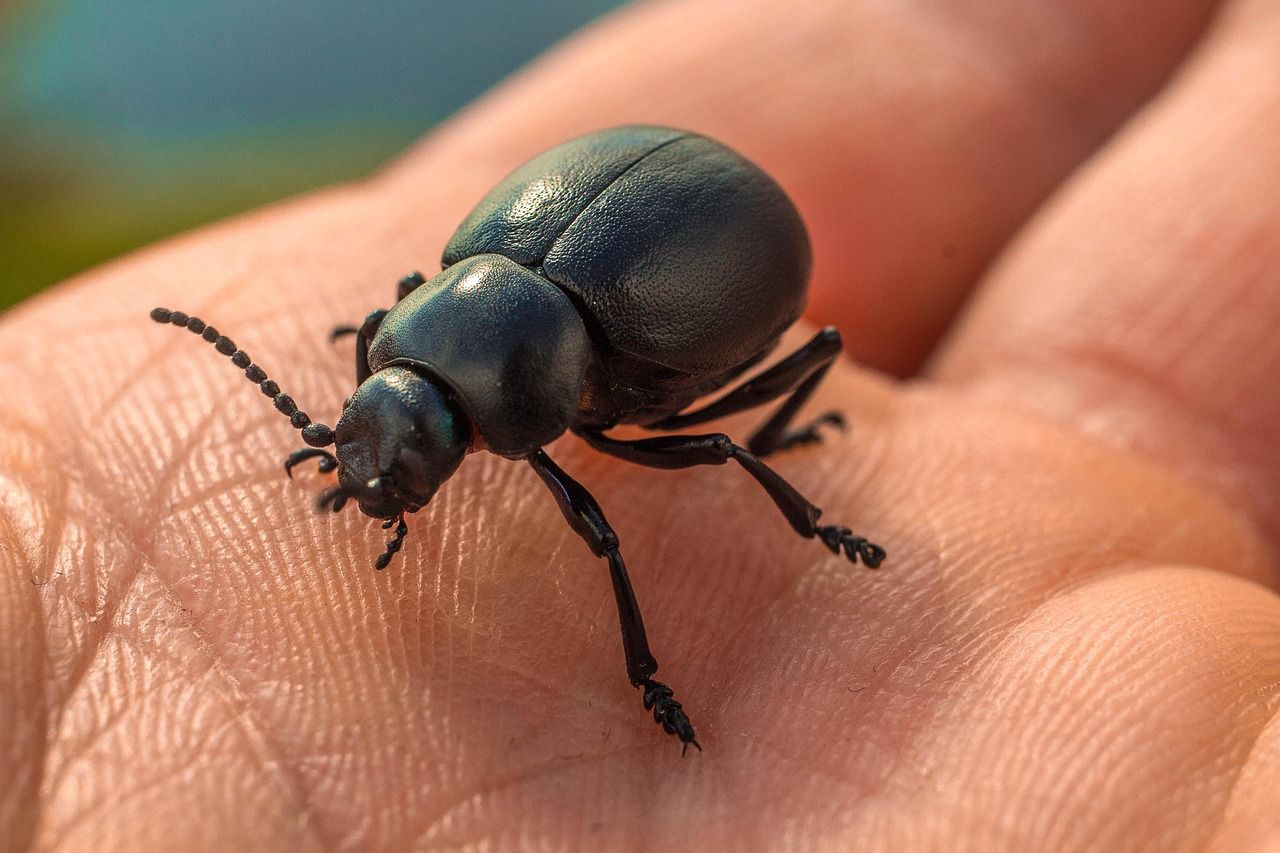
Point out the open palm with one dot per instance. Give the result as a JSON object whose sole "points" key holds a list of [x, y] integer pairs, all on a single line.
{"points": [[1073, 644]]}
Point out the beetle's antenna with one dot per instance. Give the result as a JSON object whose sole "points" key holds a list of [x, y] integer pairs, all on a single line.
{"points": [[316, 435]]}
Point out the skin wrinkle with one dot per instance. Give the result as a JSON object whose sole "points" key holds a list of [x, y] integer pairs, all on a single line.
{"points": [[1235, 774], [123, 796], [1267, 730], [1238, 775], [252, 724], [1015, 637], [140, 370], [1006, 627], [29, 806], [107, 505], [98, 616], [104, 617], [806, 769], [524, 776]]}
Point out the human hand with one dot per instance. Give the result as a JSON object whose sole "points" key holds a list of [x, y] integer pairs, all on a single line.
{"points": [[1075, 640]]}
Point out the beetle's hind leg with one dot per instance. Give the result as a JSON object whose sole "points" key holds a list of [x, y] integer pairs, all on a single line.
{"points": [[684, 451], [587, 519], [797, 374]]}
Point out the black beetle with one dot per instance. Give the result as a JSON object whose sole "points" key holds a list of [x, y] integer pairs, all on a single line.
{"points": [[614, 279]]}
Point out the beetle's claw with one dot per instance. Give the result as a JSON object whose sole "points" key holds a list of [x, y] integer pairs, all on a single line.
{"points": [[328, 462], [872, 554], [669, 714], [342, 332], [839, 538]]}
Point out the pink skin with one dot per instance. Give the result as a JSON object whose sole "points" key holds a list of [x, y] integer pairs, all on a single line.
{"points": [[1074, 643]]}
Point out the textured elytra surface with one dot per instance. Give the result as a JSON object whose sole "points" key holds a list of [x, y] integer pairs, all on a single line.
{"points": [[522, 216], [682, 253], [693, 258]]}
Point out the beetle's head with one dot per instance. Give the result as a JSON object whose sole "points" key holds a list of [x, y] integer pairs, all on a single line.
{"points": [[400, 436]]}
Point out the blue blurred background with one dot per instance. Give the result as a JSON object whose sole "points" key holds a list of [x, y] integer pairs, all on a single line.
{"points": [[122, 121]]}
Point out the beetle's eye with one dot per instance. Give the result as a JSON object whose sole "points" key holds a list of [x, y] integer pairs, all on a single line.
{"points": [[414, 468]]}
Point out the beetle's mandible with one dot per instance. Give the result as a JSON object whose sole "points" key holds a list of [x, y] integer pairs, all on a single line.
{"points": [[614, 279]]}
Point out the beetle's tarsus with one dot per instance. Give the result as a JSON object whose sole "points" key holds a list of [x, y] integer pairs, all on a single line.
{"points": [[668, 713], [837, 538], [342, 332]]}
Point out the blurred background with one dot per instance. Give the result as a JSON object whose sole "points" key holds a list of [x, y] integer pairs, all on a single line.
{"points": [[128, 120]]}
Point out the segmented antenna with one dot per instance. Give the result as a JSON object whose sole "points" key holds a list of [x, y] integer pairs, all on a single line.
{"points": [[316, 435]]}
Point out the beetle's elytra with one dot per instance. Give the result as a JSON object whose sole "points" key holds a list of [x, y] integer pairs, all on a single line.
{"points": [[614, 279]]}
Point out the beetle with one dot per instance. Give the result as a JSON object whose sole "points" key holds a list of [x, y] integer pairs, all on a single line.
{"points": [[614, 279]]}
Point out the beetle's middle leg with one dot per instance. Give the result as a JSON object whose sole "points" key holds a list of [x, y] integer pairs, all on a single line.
{"points": [[798, 374], [587, 520], [685, 451]]}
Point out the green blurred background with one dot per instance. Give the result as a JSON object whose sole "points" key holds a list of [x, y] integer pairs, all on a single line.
{"points": [[122, 121]]}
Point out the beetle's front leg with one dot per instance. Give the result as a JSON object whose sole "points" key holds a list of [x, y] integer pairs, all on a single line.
{"points": [[587, 519], [364, 336], [365, 331]]}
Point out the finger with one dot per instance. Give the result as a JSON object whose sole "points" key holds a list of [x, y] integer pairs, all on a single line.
{"points": [[1143, 307], [914, 137]]}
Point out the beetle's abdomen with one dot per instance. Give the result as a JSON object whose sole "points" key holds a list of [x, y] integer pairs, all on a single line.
{"points": [[509, 344], [683, 253]]}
